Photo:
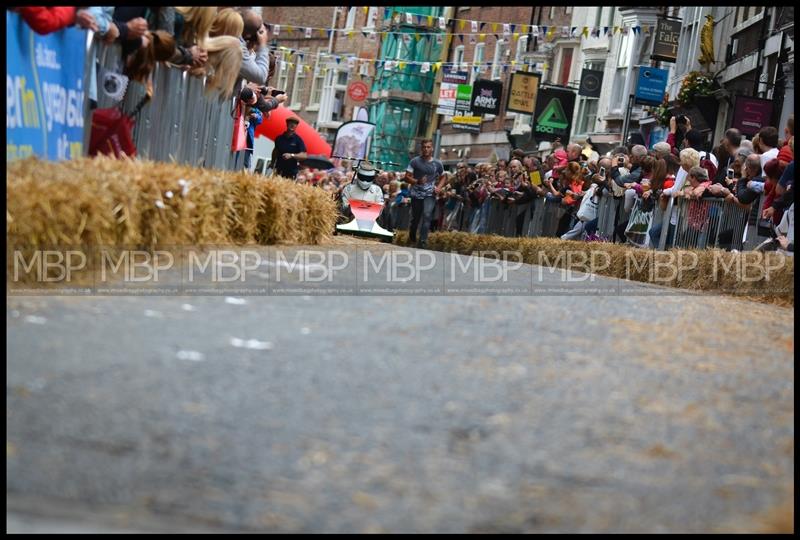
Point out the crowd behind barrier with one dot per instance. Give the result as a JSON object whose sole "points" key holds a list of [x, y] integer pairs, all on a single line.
{"points": [[158, 64], [720, 224], [180, 122]]}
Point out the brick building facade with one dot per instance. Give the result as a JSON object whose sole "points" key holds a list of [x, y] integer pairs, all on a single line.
{"points": [[313, 78], [493, 140]]}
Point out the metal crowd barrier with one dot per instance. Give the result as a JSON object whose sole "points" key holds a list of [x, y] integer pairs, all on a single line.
{"points": [[710, 222], [180, 123], [701, 223]]}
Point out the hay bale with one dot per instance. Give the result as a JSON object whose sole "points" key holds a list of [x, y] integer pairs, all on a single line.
{"points": [[143, 204], [742, 274]]}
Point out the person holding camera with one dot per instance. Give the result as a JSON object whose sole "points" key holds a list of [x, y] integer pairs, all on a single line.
{"points": [[678, 126], [255, 53]]}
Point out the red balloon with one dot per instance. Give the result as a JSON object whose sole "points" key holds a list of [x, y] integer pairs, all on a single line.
{"points": [[276, 125]]}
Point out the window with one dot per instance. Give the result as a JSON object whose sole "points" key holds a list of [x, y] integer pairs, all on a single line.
{"points": [[283, 74], [522, 45], [341, 78], [372, 17], [317, 83], [745, 13], [624, 50], [568, 10], [587, 115], [458, 56], [499, 56], [689, 39], [477, 61], [566, 66], [338, 106], [299, 84], [351, 19], [618, 101]]}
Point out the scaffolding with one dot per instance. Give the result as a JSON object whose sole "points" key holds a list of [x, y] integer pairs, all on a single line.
{"points": [[403, 108]]}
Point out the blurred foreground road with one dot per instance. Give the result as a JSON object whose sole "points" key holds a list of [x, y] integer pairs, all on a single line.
{"points": [[609, 413]]}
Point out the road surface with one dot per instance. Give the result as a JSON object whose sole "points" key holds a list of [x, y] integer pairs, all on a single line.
{"points": [[547, 413]]}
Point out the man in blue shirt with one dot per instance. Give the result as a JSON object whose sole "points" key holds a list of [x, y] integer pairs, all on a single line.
{"points": [[289, 150], [426, 177]]}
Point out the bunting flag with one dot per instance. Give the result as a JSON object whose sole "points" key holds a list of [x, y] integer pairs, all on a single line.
{"points": [[472, 39], [439, 39], [515, 37], [482, 37], [425, 67], [428, 24], [401, 65], [461, 38]]}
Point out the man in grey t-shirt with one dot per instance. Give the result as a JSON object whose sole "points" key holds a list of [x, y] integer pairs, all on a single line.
{"points": [[426, 176]]}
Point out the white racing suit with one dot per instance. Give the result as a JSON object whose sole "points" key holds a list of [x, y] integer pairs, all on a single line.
{"points": [[353, 191]]}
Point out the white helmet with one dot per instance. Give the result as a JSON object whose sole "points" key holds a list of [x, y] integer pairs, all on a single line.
{"points": [[365, 175]]}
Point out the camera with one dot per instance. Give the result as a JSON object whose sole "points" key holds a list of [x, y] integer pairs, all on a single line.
{"points": [[603, 172], [620, 161], [274, 93], [731, 174]]}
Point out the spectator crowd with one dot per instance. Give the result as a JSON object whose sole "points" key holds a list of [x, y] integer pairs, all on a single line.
{"points": [[229, 47]]}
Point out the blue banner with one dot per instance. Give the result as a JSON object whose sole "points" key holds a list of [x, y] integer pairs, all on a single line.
{"points": [[651, 85], [44, 91]]}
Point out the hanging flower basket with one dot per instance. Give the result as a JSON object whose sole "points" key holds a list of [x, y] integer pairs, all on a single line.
{"points": [[661, 113], [695, 84]]}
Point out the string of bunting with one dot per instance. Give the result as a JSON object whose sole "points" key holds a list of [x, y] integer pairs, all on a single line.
{"points": [[476, 28], [285, 53]]}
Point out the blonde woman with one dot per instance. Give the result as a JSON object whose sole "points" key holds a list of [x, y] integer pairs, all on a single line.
{"points": [[224, 52], [227, 22], [690, 159]]}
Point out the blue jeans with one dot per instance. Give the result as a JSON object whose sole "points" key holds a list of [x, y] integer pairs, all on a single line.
{"points": [[655, 235], [421, 208]]}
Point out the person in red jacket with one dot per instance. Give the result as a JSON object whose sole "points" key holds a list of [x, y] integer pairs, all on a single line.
{"points": [[46, 20]]}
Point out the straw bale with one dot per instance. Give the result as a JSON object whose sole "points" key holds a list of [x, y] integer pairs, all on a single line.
{"points": [[143, 204], [756, 276]]}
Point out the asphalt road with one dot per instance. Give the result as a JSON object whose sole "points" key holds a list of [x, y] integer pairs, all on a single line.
{"points": [[408, 413]]}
